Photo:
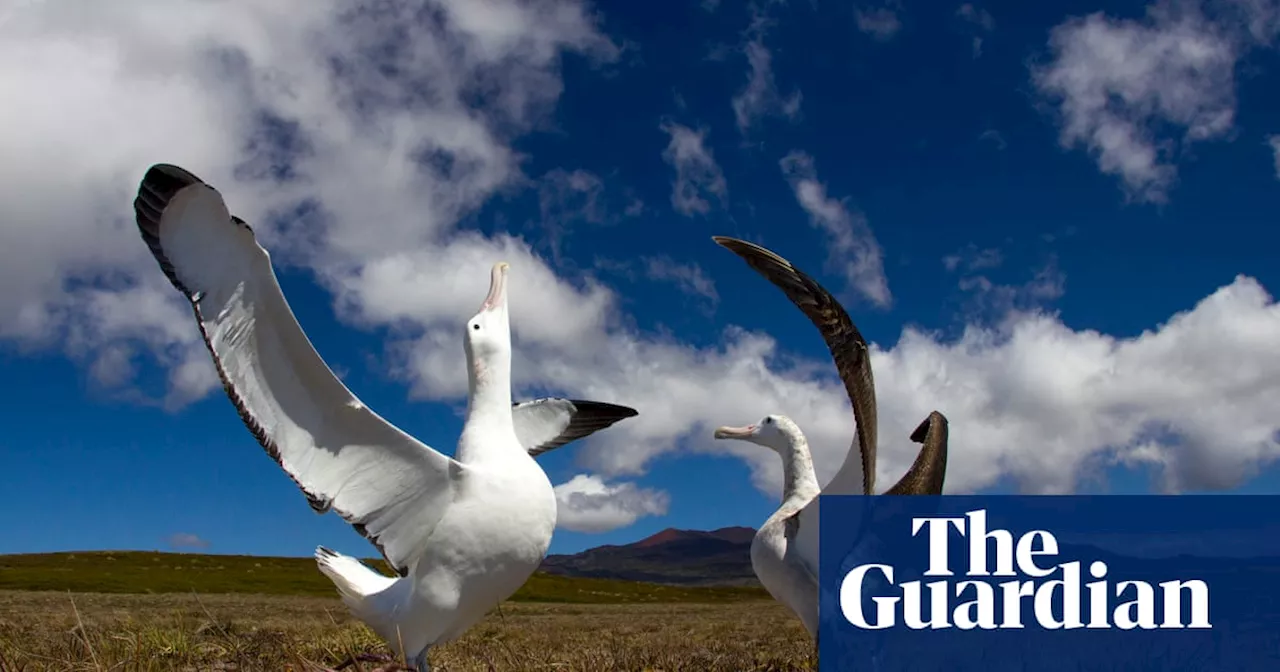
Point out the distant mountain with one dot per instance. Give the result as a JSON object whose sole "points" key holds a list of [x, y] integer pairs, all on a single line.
{"points": [[695, 558], [679, 557]]}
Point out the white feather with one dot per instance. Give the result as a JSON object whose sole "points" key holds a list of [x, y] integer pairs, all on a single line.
{"points": [[336, 448], [464, 533]]}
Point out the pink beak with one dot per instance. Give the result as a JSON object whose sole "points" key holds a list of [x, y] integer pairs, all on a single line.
{"points": [[735, 432], [497, 287]]}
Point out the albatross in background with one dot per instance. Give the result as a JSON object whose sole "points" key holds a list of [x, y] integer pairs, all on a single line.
{"points": [[784, 553], [463, 532]]}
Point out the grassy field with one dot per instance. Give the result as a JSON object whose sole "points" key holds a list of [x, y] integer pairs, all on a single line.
{"points": [[84, 612]]}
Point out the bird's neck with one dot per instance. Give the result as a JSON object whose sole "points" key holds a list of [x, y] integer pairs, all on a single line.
{"points": [[799, 482], [488, 429]]}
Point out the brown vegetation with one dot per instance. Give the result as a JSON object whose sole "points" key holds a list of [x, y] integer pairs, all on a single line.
{"points": [[93, 631]]}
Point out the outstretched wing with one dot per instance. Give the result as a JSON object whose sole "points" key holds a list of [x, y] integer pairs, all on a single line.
{"points": [[392, 488], [848, 347], [548, 423], [930, 468]]}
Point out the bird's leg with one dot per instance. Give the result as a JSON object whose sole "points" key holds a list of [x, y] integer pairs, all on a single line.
{"points": [[420, 661]]}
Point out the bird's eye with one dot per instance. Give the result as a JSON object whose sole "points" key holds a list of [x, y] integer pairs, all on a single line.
{"points": [[768, 421], [475, 327]]}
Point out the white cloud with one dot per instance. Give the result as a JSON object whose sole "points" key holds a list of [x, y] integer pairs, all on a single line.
{"points": [[382, 160], [881, 23], [1131, 92], [1187, 397], [852, 246], [1029, 399], [1274, 141], [108, 91], [980, 21], [698, 176], [760, 97], [689, 278], [588, 504]]}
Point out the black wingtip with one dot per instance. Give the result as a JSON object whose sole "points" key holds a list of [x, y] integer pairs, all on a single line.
{"points": [[161, 173], [326, 552], [604, 408], [729, 243], [157, 188], [922, 432], [761, 258]]}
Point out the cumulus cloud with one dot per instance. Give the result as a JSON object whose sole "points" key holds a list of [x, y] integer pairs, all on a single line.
{"points": [[852, 246], [698, 176], [760, 96], [588, 504], [276, 106], [186, 540], [1185, 398], [1132, 92], [351, 141], [881, 22], [980, 23]]}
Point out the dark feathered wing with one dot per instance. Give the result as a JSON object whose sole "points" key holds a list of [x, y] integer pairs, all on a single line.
{"points": [[548, 423], [927, 473], [848, 347]]}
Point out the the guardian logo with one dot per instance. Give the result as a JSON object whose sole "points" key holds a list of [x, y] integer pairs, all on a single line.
{"points": [[1031, 555]]}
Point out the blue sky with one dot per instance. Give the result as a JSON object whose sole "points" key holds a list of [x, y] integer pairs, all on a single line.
{"points": [[1052, 223]]}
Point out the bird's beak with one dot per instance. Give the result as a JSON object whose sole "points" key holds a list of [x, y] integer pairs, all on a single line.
{"points": [[735, 432], [497, 287]]}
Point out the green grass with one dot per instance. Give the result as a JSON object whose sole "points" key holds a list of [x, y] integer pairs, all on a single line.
{"points": [[158, 573]]}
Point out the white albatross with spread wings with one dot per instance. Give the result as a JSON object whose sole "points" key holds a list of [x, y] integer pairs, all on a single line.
{"points": [[462, 532]]}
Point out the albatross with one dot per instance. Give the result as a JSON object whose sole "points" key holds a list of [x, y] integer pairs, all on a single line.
{"points": [[784, 552], [462, 533]]}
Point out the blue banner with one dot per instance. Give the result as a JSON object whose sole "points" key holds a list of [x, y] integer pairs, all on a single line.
{"points": [[1042, 584]]}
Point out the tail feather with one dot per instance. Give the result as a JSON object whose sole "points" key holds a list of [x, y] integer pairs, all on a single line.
{"points": [[355, 581]]}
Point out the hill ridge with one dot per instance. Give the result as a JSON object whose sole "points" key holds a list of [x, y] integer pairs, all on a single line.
{"points": [[720, 557]]}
